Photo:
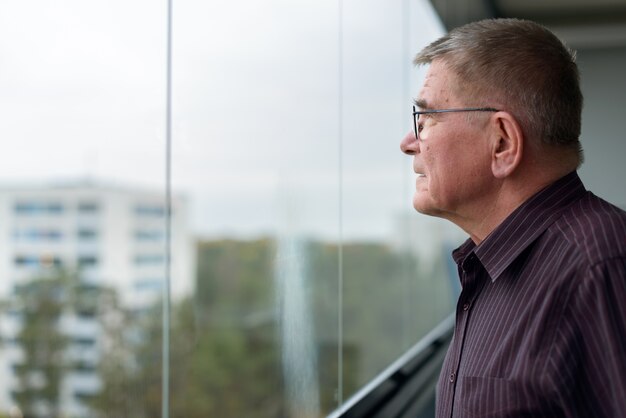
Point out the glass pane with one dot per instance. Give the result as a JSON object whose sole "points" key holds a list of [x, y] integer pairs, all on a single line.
{"points": [[311, 292], [396, 281], [82, 206], [256, 128]]}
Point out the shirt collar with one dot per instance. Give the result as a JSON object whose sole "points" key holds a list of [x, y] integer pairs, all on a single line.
{"points": [[523, 226]]}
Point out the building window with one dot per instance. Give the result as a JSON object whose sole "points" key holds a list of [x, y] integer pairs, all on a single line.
{"points": [[87, 261], [148, 284], [84, 396], [38, 208], [88, 207], [150, 210], [37, 235], [149, 234], [86, 234], [34, 261], [84, 367], [84, 341], [142, 259]]}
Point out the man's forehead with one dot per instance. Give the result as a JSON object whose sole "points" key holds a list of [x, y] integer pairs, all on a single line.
{"points": [[437, 87]]}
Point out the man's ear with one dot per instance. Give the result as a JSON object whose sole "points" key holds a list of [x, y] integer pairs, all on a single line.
{"points": [[507, 146]]}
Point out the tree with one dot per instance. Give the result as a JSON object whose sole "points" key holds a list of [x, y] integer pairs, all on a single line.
{"points": [[41, 303], [225, 351], [214, 371], [117, 367]]}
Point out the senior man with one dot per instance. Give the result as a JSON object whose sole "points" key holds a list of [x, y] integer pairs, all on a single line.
{"points": [[541, 319]]}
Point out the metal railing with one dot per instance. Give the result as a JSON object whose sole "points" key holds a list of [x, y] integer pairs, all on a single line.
{"points": [[407, 387]]}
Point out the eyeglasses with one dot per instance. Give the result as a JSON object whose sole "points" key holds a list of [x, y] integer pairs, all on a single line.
{"points": [[417, 113]]}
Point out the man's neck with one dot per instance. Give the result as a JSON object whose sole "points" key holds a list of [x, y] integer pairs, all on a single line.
{"points": [[510, 194]]}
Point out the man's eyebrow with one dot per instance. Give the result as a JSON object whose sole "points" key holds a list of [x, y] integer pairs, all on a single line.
{"points": [[420, 103]]}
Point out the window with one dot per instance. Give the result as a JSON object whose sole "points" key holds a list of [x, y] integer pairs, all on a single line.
{"points": [[37, 235], [149, 259], [150, 210], [148, 284], [149, 235], [38, 208], [84, 367], [84, 341], [88, 207], [37, 261], [86, 234], [87, 261], [85, 397]]}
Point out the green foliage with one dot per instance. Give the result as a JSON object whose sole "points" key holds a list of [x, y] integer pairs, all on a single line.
{"points": [[225, 372], [224, 363], [234, 279], [41, 302], [230, 372], [225, 350], [119, 392], [388, 303]]}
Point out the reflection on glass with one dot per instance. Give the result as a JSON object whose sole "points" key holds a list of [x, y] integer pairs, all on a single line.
{"points": [[297, 275]]}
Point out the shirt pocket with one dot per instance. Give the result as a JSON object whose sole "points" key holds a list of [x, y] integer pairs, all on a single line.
{"points": [[492, 397]]}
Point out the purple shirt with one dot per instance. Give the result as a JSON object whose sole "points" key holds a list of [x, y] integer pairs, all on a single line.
{"points": [[541, 321]]}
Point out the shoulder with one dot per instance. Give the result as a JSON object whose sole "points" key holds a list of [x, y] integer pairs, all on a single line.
{"points": [[594, 229]]}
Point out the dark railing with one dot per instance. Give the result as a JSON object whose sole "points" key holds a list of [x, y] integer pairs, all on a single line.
{"points": [[407, 387]]}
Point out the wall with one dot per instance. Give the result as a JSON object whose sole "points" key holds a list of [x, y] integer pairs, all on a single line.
{"points": [[604, 113]]}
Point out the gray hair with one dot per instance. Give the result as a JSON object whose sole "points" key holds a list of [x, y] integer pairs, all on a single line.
{"points": [[524, 68]]}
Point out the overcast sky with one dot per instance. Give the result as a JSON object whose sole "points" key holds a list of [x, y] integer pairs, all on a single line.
{"points": [[256, 105]]}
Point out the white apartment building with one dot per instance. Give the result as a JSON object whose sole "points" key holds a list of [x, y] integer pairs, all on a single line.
{"points": [[114, 237]]}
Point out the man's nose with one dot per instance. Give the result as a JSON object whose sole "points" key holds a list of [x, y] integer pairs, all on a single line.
{"points": [[409, 144]]}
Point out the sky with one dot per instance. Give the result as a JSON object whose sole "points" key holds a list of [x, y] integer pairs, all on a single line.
{"points": [[259, 105]]}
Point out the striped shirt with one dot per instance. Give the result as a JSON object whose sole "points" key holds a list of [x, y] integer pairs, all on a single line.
{"points": [[541, 319]]}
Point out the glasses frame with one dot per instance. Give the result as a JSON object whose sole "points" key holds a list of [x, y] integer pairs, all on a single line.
{"points": [[417, 113]]}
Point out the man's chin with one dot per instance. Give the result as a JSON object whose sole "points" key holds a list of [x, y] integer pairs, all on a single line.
{"points": [[425, 207]]}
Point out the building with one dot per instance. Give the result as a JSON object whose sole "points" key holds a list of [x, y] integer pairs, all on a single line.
{"points": [[112, 237]]}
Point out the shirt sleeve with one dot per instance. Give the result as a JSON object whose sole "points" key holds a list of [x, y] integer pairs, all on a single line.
{"points": [[599, 316]]}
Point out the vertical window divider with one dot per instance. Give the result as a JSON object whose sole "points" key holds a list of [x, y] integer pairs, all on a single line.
{"points": [[340, 203], [165, 363]]}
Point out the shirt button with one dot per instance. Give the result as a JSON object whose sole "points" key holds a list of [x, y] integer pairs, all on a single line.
{"points": [[466, 306], [451, 378]]}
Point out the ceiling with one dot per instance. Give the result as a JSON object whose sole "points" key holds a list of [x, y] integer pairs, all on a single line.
{"points": [[580, 23]]}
